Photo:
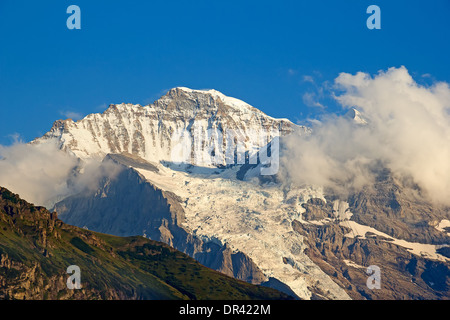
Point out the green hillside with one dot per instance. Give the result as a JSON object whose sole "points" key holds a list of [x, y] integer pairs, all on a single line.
{"points": [[36, 248]]}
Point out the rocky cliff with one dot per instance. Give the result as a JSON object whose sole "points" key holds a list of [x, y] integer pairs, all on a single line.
{"points": [[416, 267]]}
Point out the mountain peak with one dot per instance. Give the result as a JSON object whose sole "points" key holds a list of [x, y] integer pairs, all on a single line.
{"points": [[199, 91], [151, 131], [217, 97], [356, 116]]}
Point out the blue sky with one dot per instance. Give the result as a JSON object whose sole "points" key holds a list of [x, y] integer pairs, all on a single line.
{"points": [[267, 53]]}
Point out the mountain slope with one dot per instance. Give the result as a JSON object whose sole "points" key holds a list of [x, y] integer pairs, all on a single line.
{"points": [[133, 205], [233, 233], [257, 228], [36, 248]]}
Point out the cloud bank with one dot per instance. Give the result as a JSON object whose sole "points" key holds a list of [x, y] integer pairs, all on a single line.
{"points": [[43, 174], [402, 126]]}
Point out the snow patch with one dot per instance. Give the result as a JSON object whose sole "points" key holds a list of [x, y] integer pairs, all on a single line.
{"points": [[419, 249], [442, 225]]}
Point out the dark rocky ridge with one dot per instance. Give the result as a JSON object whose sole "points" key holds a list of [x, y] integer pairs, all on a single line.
{"points": [[393, 206], [388, 207], [403, 275]]}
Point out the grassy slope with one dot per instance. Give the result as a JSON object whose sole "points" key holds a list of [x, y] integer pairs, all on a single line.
{"points": [[39, 248]]}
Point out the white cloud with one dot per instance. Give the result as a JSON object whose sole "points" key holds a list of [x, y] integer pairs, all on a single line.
{"points": [[310, 99], [292, 72], [36, 172], [101, 107], [15, 137], [408, 132], [71, 115], [307, 78], [43, 174]]}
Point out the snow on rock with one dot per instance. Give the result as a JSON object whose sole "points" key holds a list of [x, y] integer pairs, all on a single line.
{"points": [[356, 116], [253, 219], [247, 216], [420, 249], [154, 131], [343, 215]]}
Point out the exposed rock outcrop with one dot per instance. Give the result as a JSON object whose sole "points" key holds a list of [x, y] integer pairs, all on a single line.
{"points": [[404, 275]]}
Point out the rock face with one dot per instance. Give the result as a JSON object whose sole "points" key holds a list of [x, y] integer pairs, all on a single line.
{"points": [[398, 207], [403, 275], [36, 248], [394, 208]]}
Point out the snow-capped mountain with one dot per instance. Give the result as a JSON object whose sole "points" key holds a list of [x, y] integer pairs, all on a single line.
{"points": [[298, 240], [356, 116], [152, 131]]}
